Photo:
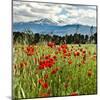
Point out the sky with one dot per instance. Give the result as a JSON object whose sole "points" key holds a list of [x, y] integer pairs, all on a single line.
{"points": [[62, 14]]}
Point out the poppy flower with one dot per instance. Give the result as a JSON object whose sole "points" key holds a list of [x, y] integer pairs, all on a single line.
{"points": [[74, 94], [64, 51], [55, 57], [47, 56], [45, 76], [70, 61], [83, 51], [82, 62], [69, 54], [51, 44], [64, 46], [40, 81], [90, 73], [45, 85], [54, 71], [46, 63], [76, 53], [59, 49], [29, 50], [44, 95], [56, 52]]}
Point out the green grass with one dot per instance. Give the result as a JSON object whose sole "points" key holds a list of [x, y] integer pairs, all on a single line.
{"points": [[68, 79]]}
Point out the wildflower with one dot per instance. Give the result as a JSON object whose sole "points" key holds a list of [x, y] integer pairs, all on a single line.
{"points": [[70, 61], [83, 62], [64, 46], [40, 81], [69, 54], [47, 63], [55, 57], [56, 52], [51, 44], [64, 51], [89, 72], [47, 56], [29, 50], [45, 76], [54, 70], [83, 51], [76, 53], [44, 94], [45, 85], [74, 94]]}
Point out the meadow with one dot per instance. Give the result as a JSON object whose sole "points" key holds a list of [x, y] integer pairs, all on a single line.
{"points": [[46, 70]]}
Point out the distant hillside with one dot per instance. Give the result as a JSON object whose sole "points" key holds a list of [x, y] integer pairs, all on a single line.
{"points": [[49, 26]]}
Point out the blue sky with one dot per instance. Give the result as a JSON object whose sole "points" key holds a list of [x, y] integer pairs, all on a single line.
{"points": [[61, 13]]}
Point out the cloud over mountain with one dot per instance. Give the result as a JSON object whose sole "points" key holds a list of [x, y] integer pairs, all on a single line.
{"points": [[61, 13]]}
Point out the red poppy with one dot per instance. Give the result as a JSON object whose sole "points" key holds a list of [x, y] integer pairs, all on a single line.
{"points": [[51, 44], [69, 54], [83, 62], [47, 56], [90, 72], [70, 61], [46, 63], [83, 51], [45, 85], [64, 51], [55, 57], [74, 94], [59, 48], [76, 53], [44, 94], [54, 71], [29, 50], [64, 46], [40, 81], [45, 76], [56, 52]]}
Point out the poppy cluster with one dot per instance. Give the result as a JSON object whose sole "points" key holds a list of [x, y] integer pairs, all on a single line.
{"points": [[76, 53], [48, 62], [63, 48]]}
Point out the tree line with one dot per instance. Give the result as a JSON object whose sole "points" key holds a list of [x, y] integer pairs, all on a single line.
{"points": [[30, 38]]}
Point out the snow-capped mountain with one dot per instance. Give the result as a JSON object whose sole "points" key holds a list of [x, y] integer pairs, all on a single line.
{"points": [[46, 21], [48, 25]]}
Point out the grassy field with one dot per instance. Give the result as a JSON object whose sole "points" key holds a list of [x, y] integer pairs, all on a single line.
{"points": [[45, 70]]}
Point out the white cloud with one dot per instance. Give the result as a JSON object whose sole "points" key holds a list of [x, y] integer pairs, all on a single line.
{"points": [[69, 14]]}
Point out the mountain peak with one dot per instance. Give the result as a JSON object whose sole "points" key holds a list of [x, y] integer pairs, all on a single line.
{"points": [[46, 21]]}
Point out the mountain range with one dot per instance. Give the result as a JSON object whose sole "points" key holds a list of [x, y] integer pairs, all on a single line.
{"points": [[45, 26]]}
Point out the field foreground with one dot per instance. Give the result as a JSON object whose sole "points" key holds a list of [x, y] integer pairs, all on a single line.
{"points": [[45, 70]]}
